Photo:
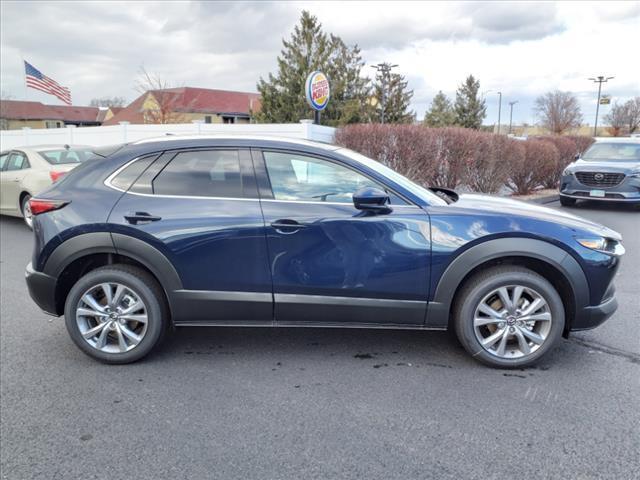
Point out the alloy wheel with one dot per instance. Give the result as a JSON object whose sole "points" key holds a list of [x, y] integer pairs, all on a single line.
{"points": [[512, 321], [112, 317]]}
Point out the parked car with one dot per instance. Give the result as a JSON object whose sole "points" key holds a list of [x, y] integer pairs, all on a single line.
{"points": [[608, 171], [250, 231], [27, 171]]}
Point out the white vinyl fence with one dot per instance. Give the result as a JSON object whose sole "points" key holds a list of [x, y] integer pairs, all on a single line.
{"points": [[123, 133]]}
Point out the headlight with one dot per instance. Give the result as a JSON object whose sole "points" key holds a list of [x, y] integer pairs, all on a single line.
{"points": [[567, 172], [635, 174], [603, 245]]}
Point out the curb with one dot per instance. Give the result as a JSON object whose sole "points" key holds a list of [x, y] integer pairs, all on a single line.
{"points": [[546, 199]]}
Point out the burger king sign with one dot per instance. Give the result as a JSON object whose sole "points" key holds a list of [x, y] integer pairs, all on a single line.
{"points": [[317, 90]]}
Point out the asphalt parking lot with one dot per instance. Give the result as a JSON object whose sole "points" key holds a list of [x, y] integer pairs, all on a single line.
{"points": [[314, 403]]}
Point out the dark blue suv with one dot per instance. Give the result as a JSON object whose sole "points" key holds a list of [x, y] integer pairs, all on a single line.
{"points": [[249, 231]]}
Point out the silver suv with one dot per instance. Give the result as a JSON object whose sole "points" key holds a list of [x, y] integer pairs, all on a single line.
{"points": [[608, 171]]}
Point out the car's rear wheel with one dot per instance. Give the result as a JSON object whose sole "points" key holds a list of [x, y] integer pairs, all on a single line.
{"points": [[567, 201], [508, 316], [26, 211], [116, 313]]}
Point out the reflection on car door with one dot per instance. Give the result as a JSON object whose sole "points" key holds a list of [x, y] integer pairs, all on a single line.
{"points": [[332, 263], [201, 209]]}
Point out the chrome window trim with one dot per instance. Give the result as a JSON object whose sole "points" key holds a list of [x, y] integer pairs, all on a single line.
{"points": [[107, 183]]}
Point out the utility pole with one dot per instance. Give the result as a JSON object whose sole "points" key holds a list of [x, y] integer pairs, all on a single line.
{"points": [[599, 80], [385, 70], [499, 110], [511, 104]]}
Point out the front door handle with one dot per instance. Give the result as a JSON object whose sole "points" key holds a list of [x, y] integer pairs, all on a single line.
{"points": [[141, 218], [287, 226]]}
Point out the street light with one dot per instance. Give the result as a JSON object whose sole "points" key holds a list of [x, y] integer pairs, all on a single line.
{"points": [[599, 80], [511, 104], [385, 69]]}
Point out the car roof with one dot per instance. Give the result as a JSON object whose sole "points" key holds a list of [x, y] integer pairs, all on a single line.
{"points": [[258, 139], [40, 148], [634, 140]]}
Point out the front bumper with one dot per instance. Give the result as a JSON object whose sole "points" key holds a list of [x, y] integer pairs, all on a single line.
{"points": [[42, 289], [593, 316], [627, 191]]}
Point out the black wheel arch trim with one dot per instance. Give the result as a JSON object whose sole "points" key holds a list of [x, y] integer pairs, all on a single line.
{"points": [[440, 306], [105, 242]]}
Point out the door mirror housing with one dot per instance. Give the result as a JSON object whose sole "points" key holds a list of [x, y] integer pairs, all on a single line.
{"points": [[373, 200]]}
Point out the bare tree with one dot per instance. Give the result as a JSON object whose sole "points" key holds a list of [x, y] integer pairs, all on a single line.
{"points": [[558, 111], [633, 114], [108, 102], [166, 100], [617, 119]]}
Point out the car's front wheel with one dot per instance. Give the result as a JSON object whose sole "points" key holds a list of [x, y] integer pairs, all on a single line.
{"points": [[116, 313], [508, 316]]}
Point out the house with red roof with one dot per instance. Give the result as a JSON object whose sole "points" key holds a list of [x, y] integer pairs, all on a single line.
{"points": [[186, 104], [16, 114]]}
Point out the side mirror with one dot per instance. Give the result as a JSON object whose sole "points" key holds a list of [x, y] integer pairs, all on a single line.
{"points": [[372, 200], [577, 157]]}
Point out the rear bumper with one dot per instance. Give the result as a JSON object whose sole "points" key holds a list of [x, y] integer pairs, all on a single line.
{"points": [[595, 315], [42, 289]]}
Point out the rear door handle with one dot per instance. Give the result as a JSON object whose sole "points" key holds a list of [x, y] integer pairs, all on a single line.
{"points": [[287, 226], [141, 218]]}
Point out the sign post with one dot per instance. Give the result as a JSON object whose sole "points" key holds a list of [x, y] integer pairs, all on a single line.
{"points": [[317, 91]]}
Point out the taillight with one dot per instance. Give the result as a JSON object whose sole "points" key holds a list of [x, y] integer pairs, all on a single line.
{"points": [[39, 206], [55, 176]]}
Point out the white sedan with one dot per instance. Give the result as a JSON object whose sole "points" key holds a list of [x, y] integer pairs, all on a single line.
{"points": [[24, 172]]}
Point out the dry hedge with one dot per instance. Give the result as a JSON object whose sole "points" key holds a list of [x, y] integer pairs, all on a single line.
{"points": [[459, 157]]}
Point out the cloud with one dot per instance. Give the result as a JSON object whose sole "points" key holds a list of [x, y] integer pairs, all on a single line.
{"points": [[522, 49]]}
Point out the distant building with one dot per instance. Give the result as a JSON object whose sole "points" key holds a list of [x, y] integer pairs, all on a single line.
{"points": [[16, 114], [186, 104]]}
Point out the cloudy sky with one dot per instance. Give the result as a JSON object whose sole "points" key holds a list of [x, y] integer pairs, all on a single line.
{"points": [[521, 49]]}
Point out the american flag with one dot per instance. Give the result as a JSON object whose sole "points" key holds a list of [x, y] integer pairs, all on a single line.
{"points": [[35, 79]]}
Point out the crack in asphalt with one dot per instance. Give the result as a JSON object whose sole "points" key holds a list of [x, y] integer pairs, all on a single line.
{"points": [[632, 357]]}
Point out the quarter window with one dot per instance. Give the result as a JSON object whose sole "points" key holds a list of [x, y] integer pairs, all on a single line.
{"points": [[297, 177], [3, 160], [213, 173]]}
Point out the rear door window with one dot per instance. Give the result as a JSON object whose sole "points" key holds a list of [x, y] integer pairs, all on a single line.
{"points": [[17, 161], [204, 173]]}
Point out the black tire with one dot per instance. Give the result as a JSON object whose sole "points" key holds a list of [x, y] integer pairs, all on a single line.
{"points": [[24, 208], [482, 284], [149, 291], [567, 201]]}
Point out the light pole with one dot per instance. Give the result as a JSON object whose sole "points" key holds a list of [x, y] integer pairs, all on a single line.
{"points": [[385, 70], [599, 80], [511, 104], [499, 110]]}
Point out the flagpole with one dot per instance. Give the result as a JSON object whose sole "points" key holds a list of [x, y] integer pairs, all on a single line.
{"points": [[24, 72]]}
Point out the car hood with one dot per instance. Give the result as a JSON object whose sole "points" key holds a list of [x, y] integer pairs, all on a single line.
{"points": [[507, 206], [603, 166]]}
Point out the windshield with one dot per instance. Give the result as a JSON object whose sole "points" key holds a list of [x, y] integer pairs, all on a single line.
{"points": [[64, 156], [614, 152], [426, 195]]}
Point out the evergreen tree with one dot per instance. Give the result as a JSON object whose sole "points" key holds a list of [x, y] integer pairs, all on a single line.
{"points": [[470, 109], [397, 98], [441, 113], [309, 49]]}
